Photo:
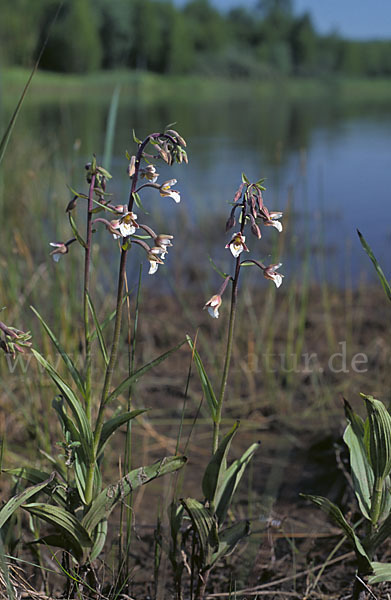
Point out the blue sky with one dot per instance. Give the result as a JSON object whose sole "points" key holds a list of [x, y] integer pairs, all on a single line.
{"points": [[358, 19]]}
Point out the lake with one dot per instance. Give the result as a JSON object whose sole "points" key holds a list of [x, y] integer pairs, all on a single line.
{"points": [[327, 160]]}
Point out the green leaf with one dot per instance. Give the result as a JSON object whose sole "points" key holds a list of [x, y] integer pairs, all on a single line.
{"points": [[381, 572], [70, 527], [215, 471], [230, 482], [206, 527], [135, 138], [35, 476], [84, 429], [100, 535], [104, 172], [9, 508], [104, 503], [66, 358], [205, 383], [379, 270], [112, 425], [140, 372], [244, 179], [336, 515], [362, 472], [378, 436], [99, 332], [138, 203], [76, 231], [75, 193], [216, 268], [229, 537]]}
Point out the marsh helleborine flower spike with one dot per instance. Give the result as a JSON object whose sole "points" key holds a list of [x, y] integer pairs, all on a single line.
{"points": [[270, 272], [213, 306], [166, 191], [237, 244]]}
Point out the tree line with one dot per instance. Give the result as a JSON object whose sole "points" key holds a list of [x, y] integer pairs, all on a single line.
{"points": [[156, 35]]}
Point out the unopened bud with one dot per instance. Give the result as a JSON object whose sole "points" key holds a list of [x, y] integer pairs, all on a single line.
{"points": [[132, 166], [72, 204], [231, 222], [256, 230]]}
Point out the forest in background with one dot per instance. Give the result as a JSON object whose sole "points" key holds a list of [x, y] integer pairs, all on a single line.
{"points": [[155, 35]]}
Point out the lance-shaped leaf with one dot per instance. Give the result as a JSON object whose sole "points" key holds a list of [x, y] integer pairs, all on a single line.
{"points": [[36, 476], [378, 437], [76, 231], [215, 471], [73, 533], [230, 482], [140, 372], [75, 405], [205, 383], [205, 525], [104, 503], [112, 425], [381, 572], [336, 515], [98, 328], [362, 472], [379, 270], [67, 359], [9, 508], [229, 538], [99, 536]]}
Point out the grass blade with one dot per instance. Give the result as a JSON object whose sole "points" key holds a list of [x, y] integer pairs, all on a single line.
{"points": [[379, 270], [7, 134], [110, 127]]}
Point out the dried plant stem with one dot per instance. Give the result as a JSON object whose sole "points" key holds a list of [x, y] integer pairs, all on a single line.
{"points": [[87, 262]]}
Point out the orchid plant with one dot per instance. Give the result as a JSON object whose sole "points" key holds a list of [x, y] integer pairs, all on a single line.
{"points": [[249, 208], [211, 538], [78, 505]]}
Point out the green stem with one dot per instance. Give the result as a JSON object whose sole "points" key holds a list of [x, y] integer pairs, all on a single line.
{"points": [[228, 353], [376, 500]]}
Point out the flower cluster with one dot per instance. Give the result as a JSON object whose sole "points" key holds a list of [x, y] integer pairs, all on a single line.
{"points": [[248, 202], [168, 146]]}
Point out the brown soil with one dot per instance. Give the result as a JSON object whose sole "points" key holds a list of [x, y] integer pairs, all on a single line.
{"points": [[294, 409]]}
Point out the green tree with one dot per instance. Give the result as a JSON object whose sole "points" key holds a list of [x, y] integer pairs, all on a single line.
{"points": [[115, 29], [20, 30], [74, 44], [303, 42]]}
